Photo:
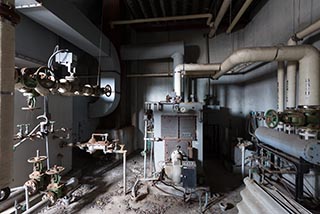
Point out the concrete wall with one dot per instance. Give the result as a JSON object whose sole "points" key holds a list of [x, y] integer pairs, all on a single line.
{"points": [[273, 25]]}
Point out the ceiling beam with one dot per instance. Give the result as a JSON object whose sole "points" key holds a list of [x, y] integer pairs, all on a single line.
{"points": [[239, 15], [222, 11]]}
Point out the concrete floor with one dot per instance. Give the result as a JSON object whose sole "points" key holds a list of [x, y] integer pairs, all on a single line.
{"points": [[101, 191]]}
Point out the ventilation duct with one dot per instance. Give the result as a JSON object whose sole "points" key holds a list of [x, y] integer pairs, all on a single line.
{"points": [[76, 28]]}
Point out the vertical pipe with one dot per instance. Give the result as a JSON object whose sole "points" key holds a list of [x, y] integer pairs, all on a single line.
{"points": [[145, 150], [46, 114], [177, 60], [291, 80], [7, 52], [151, 157], [291, 84], [124, 172], [27, 197], [280, 85], [242, 160]]}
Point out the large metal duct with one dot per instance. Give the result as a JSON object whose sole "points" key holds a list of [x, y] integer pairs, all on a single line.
{"points": [[76, 28], [7, 52], [309, 150]]}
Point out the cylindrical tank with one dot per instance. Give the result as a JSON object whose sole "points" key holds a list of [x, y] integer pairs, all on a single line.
{"points": [[291, 144]]}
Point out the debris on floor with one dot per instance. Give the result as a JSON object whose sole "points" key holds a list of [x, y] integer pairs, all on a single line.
{"points": [[101, 191]]}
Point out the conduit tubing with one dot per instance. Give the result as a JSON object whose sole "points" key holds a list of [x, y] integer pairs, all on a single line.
{"points": [[290, 144], [308, 58]]}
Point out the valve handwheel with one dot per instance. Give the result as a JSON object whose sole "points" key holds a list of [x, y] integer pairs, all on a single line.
{"points": [[54, 170], [37, 159], [272, 118]]}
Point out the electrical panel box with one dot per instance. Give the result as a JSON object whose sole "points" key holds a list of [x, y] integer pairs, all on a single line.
{"points": [[189, 174]]}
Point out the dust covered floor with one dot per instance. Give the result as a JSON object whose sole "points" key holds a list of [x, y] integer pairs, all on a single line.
{"points": [[101, 191]]}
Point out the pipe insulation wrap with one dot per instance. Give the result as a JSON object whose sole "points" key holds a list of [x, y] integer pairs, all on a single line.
{"points": [[291, 84], [308, 150], [7, 53], [280, 84], [307, 55], [177, 60]]}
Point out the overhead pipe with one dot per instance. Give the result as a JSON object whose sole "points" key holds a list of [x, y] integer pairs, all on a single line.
{"points": [[222, 11], [292, 66], [280, 86], [239, 15], [308, 57], [290, 144], [207, 16]]}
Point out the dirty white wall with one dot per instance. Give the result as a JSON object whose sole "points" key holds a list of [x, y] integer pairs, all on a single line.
{"points": [[273, 25]]}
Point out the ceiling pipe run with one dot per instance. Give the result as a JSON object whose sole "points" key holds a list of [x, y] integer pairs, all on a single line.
{"points": [[207, 16], [239, 15], [308, 57], [222, 11]]}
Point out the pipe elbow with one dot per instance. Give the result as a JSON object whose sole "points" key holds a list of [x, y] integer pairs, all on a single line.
{"points": [[178, 68]]}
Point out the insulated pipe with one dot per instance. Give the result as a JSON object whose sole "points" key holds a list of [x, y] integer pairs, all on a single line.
{"points": [[280, 84], [308, 57], [177, 60], [239, 15], [291, 84], [292, 66], [291, 144], [222, 11]]}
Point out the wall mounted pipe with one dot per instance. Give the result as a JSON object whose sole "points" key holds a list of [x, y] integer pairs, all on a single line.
{"points": [[280, 85], [291, 144], [308, 57], [222, 11]]}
